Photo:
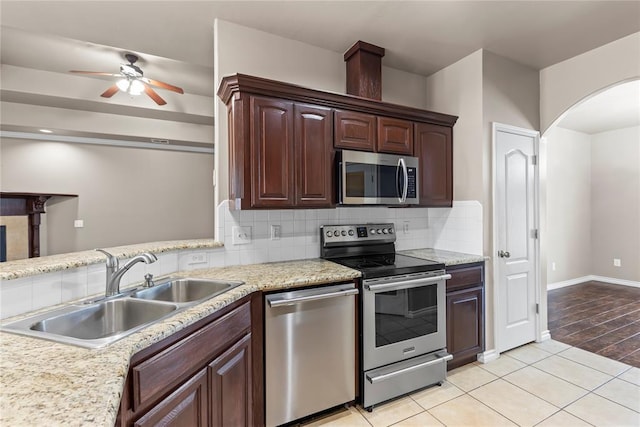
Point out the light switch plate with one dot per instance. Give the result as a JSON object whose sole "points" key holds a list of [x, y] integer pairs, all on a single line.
{"points": [[78, 223], [241, 235]]}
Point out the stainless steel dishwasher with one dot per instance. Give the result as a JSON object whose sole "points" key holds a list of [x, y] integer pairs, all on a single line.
{"points": [[310, 341]]}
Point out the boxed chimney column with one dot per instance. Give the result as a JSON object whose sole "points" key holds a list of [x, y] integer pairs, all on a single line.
{"points": [[364, 70]]}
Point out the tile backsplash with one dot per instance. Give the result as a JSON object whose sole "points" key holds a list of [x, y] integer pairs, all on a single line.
{"points": [[458, 229]]}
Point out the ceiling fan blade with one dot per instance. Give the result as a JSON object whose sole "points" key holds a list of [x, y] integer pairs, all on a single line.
{"points": [[95, 73], [154, 95], [110, 92], [163, 85]]}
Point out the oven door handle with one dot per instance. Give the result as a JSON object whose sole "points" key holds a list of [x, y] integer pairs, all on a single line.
{"points": [[378, 378], [406, 284]]}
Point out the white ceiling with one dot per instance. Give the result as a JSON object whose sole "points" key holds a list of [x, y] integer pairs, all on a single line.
{"points": [[420, 36], [615, 108], [175, 38]]}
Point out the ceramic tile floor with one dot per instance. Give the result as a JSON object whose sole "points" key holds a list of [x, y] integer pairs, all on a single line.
{"points": [[540, 384]]}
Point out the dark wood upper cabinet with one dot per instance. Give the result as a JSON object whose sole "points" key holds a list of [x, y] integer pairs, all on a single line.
{"points": [[282, 139], [272, 156], [434, 147], [395, 136], [314, 155], [355, 131]]}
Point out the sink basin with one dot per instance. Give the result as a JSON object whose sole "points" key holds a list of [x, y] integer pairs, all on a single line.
{"points": [[93, 325], [185, 290]]}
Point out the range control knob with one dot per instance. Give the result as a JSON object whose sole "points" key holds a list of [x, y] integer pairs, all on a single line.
{"points": [[384, 231], [390, 230], [372, 231], [329, 233], [351, 233], [378, 231], [343, 232]]}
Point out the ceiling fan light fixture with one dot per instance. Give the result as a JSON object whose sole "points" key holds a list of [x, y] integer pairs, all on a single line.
{"points": [[123, 85], [136, 87]]}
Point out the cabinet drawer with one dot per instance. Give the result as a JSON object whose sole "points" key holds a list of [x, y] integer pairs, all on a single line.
{"points": [[464, 277], [173, 365]]}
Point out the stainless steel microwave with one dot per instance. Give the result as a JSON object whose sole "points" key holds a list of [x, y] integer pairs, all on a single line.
{"points": [[376, 179]]}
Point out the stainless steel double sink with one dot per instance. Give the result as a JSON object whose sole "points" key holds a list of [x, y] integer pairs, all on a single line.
{"points": [[95, 324]]}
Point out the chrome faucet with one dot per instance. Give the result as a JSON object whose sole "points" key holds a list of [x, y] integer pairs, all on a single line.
{"points": [[114, 273]]}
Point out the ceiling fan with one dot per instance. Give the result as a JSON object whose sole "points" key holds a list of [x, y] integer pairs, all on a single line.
{"points": [[132, 81]]}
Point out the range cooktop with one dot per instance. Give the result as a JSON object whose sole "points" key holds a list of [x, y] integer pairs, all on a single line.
{"points": [[370, 248]]}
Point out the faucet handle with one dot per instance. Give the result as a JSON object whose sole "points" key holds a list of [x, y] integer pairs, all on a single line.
{"points": [[148, 281], [112, 261]]}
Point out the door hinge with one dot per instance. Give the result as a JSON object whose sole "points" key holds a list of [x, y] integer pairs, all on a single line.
{"points": [[534, 233], [537, 308], [534, 159]]}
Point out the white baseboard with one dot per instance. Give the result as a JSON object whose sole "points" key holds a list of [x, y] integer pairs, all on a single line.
{"points": [[571, 282], [545, 336], [488, 356]]}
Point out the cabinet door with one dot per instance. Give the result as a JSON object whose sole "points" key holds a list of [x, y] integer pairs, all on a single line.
{"points": [[355, 131], [230, 386], [465, 325], [434, 148], [272, 161], [395, 136], [187, 406], [314, 155]]}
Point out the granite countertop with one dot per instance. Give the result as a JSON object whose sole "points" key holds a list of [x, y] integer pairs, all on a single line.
{"points": [[46, 264], [447, 257], [46, 383]]}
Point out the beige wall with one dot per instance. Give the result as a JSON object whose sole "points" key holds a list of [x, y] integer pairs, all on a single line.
{"points": [[568, 205], [457, 90], [615, 203], [240, 49], [482, 88], [564, 84], [126, 195], [593, 204]]}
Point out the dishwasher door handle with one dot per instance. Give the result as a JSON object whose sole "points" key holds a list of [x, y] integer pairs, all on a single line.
{"points": [[293, 301]]}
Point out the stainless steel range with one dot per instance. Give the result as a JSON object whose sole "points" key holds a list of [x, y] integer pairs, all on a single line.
{"points": [[403, 330]]}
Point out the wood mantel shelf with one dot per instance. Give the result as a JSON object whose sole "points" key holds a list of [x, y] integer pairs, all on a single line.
{"points": [[31, 205]]}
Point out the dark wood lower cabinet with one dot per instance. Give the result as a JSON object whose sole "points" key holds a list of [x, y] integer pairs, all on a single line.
{"points": [[230, 386], [465, 313], [187, 406], [204, 375]]}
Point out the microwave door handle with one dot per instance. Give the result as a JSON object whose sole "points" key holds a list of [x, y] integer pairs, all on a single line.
{"points": [[398, 191], [405, 187]]}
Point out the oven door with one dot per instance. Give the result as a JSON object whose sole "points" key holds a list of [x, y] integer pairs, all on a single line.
{"points": [[403, 317]]}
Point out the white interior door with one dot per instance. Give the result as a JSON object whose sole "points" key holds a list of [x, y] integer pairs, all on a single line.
{"points": [[515, 234]]}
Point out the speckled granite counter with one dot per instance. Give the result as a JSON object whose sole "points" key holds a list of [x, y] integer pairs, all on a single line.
{"points": [[446, 257], [46, 383], [32, 266]]}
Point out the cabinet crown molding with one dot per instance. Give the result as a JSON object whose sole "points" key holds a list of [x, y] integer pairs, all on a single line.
{"points": [[241, 83]]}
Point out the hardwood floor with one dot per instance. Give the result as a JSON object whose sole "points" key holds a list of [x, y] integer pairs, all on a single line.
{"points": [[598, 317]]}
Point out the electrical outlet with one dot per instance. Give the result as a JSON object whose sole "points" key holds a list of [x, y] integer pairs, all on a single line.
{"points": [[197, 258], [553, 266], [617, 262], [275, 232], [241, 235], [78, 223], [405, 227]]}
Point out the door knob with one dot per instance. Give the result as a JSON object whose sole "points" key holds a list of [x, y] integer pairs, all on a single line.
{"points": [[504, 254]]}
